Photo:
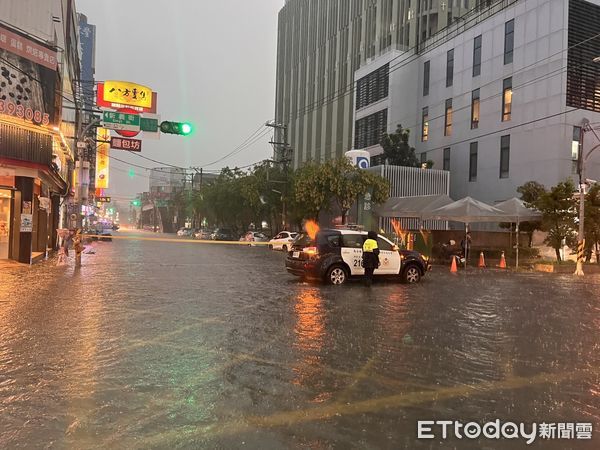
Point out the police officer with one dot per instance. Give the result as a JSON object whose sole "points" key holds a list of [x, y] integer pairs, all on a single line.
{"points": [[370, 257]]}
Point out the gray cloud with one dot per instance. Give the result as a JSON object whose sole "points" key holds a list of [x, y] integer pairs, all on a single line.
{"points": [[212, 63]]}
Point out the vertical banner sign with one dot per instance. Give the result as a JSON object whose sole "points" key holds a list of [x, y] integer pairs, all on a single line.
{"points": [[102, 158]]}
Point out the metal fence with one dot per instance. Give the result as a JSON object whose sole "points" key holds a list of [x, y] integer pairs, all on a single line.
{"points": [[411, 182]]}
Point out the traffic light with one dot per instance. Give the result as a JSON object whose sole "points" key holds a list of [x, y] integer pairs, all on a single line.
{"points": [[181, 128], [136, 202]]}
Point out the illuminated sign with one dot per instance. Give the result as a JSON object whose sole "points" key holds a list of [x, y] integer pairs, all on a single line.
{"points": [[132, 145], [102, 158], [128, 94], [102, 103]]}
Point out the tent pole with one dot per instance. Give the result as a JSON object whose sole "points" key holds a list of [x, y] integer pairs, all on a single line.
{"points": [[466, 244], [518, 242]]}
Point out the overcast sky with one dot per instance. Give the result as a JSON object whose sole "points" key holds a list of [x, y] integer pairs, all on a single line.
{"points": [[211, 62]]}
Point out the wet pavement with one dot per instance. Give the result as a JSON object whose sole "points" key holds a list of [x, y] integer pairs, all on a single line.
{"points": [[182, 345]]}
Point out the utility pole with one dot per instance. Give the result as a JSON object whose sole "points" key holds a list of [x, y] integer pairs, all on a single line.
{"points": [[581, 160], [285, 160]]}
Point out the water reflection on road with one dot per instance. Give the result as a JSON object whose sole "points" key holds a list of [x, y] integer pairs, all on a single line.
{"points": [[153, 345]]}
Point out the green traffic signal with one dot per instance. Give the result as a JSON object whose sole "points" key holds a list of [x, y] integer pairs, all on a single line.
{"points": [[181, 128], [186, 128]]}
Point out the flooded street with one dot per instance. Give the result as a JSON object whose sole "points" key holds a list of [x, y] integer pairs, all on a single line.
{"points": [[183, 345]]}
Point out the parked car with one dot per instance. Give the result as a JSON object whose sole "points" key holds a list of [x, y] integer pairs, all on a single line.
{"points": [[283, 241], [254, 236], [336, 255], [184, 232], [223, 234], [203, 235]]}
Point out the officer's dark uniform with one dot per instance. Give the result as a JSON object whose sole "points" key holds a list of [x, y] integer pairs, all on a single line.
{"points": [[370, 257]]}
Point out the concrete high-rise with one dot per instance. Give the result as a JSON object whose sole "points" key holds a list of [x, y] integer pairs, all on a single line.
{"points": [[322, 43]]}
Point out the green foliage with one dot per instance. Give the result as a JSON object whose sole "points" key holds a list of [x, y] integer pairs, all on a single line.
{"points": [[592, 220], [396, 149], [311, 190], [236, 198], [530, 193], [559, 213], [347, 182]]}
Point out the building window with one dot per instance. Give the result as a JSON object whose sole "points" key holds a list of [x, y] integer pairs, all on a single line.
{"points": [[506, 99], [504, 156], [473, 162], [509, 41], [448, 121], [475, 109], [425, 124], [583, 45], [423, 158], [368, 130], [447, 159], [426, 68], [477, 56], [373, 87], [449, 68]]}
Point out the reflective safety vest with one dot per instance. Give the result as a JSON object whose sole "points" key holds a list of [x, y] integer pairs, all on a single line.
{"points": [[370, 245]]}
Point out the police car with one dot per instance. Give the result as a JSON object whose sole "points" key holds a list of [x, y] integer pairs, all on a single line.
{"points": [[336, 255]]}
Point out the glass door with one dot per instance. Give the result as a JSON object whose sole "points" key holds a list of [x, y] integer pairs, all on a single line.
{"points": [[5, 197]]}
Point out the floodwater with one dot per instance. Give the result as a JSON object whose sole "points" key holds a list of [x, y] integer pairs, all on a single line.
{"points": [[182, 345]]}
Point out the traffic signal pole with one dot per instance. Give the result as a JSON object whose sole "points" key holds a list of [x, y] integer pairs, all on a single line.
{"points": [[582, 159]]}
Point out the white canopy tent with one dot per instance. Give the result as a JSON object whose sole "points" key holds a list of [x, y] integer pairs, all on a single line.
{"points": [[467, 210], [515, 211], [416, 206]]}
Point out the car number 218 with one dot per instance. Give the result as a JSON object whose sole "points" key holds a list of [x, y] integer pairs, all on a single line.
{"points": [[358, 263]]}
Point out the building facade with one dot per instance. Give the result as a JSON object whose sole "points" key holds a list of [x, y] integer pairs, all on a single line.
{"points": [[322, 43], [497, 99], [39, 116]]}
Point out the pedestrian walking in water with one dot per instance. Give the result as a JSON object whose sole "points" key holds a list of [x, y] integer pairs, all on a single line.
{"points": [[370, 257]]}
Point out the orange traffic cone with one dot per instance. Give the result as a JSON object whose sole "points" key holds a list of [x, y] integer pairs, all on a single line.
{"points": [[502, 261], [481, 261], [453, 268]]}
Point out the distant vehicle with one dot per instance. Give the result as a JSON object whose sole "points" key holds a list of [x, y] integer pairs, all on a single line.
{"points": [[223, 234], [283, 241], [203, 235], [185, 232], [254, 236], [336, 255]]}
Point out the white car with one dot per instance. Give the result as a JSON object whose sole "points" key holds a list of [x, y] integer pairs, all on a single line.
{"points": [[283, 241]]}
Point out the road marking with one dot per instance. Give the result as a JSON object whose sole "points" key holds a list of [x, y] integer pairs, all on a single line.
{"points": [[359, 376], [336, 409], [178, 241]]}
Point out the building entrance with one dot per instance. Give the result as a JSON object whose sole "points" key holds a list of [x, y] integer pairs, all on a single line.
{"points": [[5, 197]]}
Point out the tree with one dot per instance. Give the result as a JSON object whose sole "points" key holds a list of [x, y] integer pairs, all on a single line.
{"points": [[559, 214], [347, 182], [592, 223], [311, 191], [397, 151], [530, 193]]}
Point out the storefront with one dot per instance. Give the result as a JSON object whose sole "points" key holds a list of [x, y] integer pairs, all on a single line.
{"points": [[5, 215], [35, 158]]}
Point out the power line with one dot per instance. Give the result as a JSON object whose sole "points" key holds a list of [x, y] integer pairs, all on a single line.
{"points": [[349, 88], [243, 146], [476, 138]]}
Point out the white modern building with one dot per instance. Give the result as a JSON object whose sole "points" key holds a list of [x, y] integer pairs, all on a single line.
{"points": [[497, 98], [321, 44]]}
